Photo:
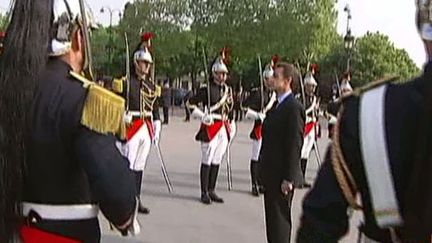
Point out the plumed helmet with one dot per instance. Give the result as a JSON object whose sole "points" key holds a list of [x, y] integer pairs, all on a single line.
{"points": [[219, 66], [309, 79], [346, 86], [2, 36], [67, 16], [314, 68], [146, 38], [269, 69], [424, 19]]}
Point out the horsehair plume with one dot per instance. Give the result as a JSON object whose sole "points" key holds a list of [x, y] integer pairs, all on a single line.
{"points": [[24, 56]]}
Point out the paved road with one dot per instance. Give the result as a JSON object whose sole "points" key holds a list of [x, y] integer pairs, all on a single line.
{"points": [[181, 218]]}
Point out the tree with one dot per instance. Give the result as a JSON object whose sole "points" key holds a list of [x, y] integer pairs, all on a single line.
{"points": [[375, 57], [4, 20], [299, 31], [100, 44]]}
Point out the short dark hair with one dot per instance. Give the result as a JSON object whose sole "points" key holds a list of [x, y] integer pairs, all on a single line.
{"points": [[290, 71]]}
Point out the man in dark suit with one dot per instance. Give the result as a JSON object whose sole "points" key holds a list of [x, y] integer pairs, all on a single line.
{"points": [[282, 136]]}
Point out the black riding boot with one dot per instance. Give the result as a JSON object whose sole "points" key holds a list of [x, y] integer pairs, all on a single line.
{"points": [[138, 183], [303, 164], [214, 170], [254, 177], [204, 176]]}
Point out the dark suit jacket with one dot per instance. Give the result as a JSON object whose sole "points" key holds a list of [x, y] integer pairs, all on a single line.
{"points": [[282, 136]]}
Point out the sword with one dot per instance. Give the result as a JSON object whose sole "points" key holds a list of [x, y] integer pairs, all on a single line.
{"points": [[88, 64], [317, 153], [163, 168], [261, 82], [229, 171], [338, 84], [206, 78], [127, 72], [302, 86]]}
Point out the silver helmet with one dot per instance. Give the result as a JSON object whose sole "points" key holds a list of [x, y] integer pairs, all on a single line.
{"points": [[143, 55], [219, 66], [424, 19], [67, 17], [309, 79], [346, 87], [269, 69]]}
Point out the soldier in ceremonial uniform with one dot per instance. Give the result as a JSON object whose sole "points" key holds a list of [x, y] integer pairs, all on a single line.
{"points": [[334, 105], [215, 130], [311, 126], [257, 108], [142, 111], [59, 162], [381, 152]]}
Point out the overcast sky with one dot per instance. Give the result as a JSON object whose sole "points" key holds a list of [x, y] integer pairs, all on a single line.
{"points": [[392, 17]]}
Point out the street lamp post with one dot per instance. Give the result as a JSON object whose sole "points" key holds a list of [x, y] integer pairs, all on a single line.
{"points": [[349, 38], [110, 41]]}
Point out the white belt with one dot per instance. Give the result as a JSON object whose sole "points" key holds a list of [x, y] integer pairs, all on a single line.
{"points": [[217, 117], [61, 212], [139, 113]]}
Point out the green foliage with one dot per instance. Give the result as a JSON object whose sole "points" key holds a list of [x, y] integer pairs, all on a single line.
{"points": [[3, 22], [299, 31], [376, 57]]}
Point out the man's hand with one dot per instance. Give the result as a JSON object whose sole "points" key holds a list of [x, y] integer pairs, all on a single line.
{"points": [[286, 187]]}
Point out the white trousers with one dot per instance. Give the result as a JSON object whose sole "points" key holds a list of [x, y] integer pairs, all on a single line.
{"points": [[137, 149], [256, 147], [212, 152], [308, 143]]}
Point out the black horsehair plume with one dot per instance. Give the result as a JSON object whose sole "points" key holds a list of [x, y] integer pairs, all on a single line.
{"points": [[24, 57]]}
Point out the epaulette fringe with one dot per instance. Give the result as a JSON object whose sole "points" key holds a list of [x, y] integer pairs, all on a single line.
{"points": [[103, 110]]}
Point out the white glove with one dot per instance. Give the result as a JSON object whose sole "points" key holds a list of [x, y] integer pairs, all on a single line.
{"points": [[261, 116], [332, 120], [127, 118], [207, 119], [157, 127], [197, 113], [251, 114]]}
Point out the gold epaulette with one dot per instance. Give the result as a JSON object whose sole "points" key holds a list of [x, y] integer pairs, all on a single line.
{"points": [[79, 77], [103, 110], [158, 91], [117, 85], [374, 84]]}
